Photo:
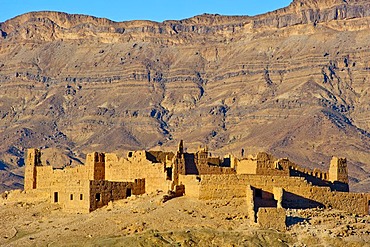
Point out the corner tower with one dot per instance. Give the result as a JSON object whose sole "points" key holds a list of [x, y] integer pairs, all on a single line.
{"points": [[95, 163], [338, 171], [32, 160]]}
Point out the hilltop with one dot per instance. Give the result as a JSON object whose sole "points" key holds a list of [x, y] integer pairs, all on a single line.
{"points": [[181, 221]]}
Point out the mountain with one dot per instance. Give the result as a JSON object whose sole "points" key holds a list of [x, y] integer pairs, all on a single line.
{"points": [[293, 82]]}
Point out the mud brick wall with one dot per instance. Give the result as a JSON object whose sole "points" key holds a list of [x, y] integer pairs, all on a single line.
{"points": [[298, 193], [356, 203], [250, 203], [273, 218], [102, 192], [72, 196], [246, 166], [138, 187], [44, 177], [210, 169], [314, 196], [221, 187], [192, 184], [69, 187], [137, 166], [234, 186], [30, 196]]}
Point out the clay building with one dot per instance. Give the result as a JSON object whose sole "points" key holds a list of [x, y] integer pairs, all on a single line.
{"points": [[268, 184], [80, 189]]}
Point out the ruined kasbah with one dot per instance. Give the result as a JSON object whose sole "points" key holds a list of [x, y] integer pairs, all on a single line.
{"points": [[269, 185]]}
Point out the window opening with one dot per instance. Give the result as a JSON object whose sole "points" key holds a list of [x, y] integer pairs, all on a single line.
{"points": [[169, 173], [97, 197], [56, 197]]}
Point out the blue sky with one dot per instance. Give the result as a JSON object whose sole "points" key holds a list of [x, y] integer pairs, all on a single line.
{"points": [[156, 10]]}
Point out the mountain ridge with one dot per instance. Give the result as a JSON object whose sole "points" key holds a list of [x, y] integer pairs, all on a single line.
{"points": [[298, 12], [286, 82]]}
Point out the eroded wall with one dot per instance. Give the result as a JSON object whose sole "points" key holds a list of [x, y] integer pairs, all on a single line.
{"points": [[137, 166], [297, 192], [102, 192], [272, 218]]}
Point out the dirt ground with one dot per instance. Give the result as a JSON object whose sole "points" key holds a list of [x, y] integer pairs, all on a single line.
{"points": [[146, 221]]}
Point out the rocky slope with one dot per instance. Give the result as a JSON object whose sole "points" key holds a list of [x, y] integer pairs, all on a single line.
{"points": [[143, 221], [293, 82]]}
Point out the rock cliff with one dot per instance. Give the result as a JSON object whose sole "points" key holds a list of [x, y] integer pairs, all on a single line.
{"points": [[293, 82]]}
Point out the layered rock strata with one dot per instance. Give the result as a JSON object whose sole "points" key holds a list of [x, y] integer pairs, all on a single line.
{"points": [[293, 82]]}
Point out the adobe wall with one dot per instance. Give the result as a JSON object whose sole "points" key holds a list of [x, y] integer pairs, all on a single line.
{"points": [[30, 196], [272, 218], [192, 184], [297, 192], [69, 187], [305, 196], [47, 176], [263, 164], [200, 164], [137, 166], [44, 177], [266, 164], [269, 165], [205, 169], [102, 191], [351, 202], [246, 166], [72, 196], [234, 186], [250, 203]]}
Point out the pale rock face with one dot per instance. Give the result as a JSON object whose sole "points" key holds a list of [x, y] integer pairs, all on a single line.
{"points": [[293, 82]]}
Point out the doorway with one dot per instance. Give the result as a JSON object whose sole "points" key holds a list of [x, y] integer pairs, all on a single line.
{"points": [[128, 192]]}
